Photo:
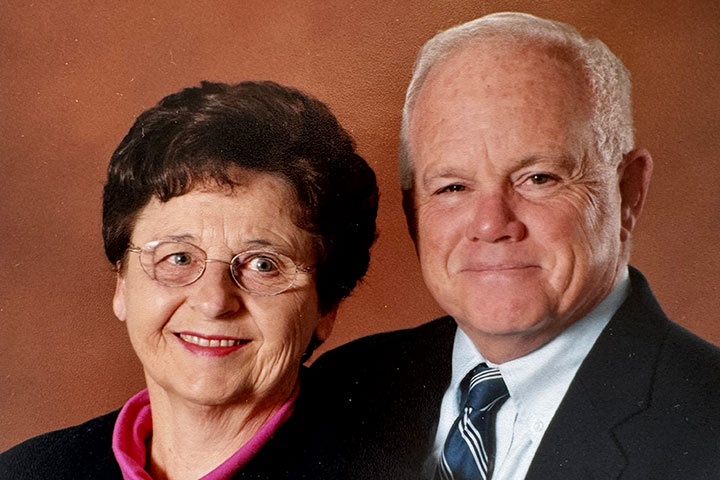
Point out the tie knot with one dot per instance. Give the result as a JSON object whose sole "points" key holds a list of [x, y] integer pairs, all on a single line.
{"points": [[483, 388]]}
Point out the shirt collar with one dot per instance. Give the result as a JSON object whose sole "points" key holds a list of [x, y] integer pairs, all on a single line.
{"points": [[551, 366], [133, 429]]}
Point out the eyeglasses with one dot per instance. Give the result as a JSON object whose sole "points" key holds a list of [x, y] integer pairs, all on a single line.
{"points": [[258, 272]]}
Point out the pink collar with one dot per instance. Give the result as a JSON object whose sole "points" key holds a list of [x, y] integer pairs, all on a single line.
{"points": [[134, 427]]}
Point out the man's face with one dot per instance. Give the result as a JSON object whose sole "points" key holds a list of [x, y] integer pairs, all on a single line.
{"points": [[518, 218]]}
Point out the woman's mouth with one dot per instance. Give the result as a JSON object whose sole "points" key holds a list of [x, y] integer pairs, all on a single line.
{"points": [[210, 346], [208, 342]]}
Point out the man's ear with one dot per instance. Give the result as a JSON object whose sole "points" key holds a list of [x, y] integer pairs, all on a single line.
{"points": [[119, 298], [325, 325], [408, 204], [634, 173]]}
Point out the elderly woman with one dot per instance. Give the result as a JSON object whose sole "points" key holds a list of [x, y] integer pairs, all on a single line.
{"points": [[237, 217]]}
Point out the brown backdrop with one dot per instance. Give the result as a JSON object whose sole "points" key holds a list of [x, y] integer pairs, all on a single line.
{"points": [[73, 76]]}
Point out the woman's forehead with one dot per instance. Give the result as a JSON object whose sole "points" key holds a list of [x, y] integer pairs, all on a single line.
{"points": [[259, 211]]}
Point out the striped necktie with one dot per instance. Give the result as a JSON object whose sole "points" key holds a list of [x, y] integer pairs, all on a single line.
{"points": [[469, 451]]}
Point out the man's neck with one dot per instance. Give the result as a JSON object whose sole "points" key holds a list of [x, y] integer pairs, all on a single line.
{"points": [[501, 348]]}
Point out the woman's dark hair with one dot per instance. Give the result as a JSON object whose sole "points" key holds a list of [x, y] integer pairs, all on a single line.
{"points": [[212, 132]]}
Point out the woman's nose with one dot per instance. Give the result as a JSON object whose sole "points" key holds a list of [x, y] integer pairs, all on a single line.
{"points": [[215, 294]]}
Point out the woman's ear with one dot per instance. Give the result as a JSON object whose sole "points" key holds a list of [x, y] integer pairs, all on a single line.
{"points": [[634, 173], [321, 333], [325, 325], [119, 298]]}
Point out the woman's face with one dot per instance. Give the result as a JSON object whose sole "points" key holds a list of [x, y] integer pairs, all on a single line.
{"points": [[171, 328]]}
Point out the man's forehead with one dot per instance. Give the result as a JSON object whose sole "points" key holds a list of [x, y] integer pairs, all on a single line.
{"points": [[470, 68], [508, 81]]}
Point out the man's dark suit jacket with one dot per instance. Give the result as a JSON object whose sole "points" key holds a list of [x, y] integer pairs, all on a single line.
{"points": [[645, 403]]}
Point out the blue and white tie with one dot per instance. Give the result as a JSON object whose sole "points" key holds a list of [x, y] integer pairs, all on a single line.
{"points": [[469, 451]]}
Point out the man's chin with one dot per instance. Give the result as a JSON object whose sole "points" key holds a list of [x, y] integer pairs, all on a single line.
{"points": [[504, 341], [503, 326]]}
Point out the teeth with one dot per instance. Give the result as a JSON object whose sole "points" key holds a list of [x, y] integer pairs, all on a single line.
{"points": [[204, 342]]}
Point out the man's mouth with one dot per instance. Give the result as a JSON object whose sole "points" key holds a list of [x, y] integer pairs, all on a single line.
{"points": [[497, 267]]}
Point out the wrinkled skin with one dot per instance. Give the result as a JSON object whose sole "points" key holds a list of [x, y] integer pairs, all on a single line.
{"points": [[521, 227]]}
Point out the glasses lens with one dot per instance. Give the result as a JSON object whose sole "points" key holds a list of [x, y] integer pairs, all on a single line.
{"points": [[263, 273], [173, 263]]}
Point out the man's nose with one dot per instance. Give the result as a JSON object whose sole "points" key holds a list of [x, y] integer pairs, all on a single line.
{"points": [[493, 219], [215, 294]]}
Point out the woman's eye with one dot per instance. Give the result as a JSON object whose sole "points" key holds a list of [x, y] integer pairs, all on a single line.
{"points": [[263, 264], [451, 189], [180, 259]]}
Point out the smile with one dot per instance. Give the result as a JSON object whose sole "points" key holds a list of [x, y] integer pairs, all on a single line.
{"points": [[492, 268], [207, 342]]}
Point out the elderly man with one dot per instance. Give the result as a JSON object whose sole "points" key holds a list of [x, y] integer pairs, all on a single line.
{"points": [[522, 187]]}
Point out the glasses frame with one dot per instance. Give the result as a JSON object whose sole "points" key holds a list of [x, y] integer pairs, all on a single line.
{"points": [[150, 246]]}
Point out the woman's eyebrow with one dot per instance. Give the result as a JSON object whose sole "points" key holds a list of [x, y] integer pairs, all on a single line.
{"points": [[182, 237], [259, 242]]}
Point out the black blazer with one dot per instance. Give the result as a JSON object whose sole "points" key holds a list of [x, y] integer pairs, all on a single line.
{"points": [[645, 403], [83, 452]]}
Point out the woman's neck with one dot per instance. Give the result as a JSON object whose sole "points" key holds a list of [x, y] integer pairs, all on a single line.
{"points": [[190, 440]]}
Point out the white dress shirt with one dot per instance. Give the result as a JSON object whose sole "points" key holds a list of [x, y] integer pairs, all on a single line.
{"points": [[537, 384]]}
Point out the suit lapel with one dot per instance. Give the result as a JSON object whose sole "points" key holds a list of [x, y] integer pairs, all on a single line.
{"points": [[611, 387]]}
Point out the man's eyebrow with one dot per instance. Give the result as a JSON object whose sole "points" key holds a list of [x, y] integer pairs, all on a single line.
{"points": [[442, 171], [564, 161]]}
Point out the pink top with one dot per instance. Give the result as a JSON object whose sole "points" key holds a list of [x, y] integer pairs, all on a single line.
{"points": [[134, 427]]}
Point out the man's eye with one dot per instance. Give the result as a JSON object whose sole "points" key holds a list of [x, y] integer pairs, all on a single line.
{"points": [[451, 189], [540, 179]]}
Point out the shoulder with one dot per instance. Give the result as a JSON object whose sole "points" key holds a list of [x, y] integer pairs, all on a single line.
{"points": [[368, 373], [81, 451], [689, 369], [304, 447], [387, 390], [678, 434], [676, 375], [396, 347], [689, 349], [683, 359]]}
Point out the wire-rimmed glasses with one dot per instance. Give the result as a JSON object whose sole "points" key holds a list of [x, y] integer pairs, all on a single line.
{"points": [[258, 272]]}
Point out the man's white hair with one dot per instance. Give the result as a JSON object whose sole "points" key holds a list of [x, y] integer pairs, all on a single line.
{"points": [[607, 78]]}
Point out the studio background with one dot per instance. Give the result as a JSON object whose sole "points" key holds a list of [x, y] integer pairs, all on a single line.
{"points": [[75, 74]]}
